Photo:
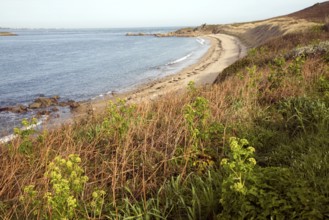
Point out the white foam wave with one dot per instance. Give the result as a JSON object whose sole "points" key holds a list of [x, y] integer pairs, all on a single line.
{"points": [[180, 59], [10, 137], [200, 41]]}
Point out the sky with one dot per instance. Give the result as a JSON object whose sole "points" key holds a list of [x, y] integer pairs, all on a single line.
{"points": [[139, 13]]}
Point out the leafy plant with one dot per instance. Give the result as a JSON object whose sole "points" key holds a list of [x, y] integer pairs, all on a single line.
{"points": [[304, 114], [295, 68], [120, 116], [196, 116], [67, 182], [97, 203], [30, 200], [252, 192], [277, 73], [24, 133]]}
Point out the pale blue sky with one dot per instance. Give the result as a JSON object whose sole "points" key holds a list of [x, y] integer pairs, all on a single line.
{"points": [[139, 13]]}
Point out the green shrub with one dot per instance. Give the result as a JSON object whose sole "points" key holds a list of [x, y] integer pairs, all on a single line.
{"points": [[252, 192], [304, 115], [24, 133], [63, 200], [202, 134], [278, 72]]}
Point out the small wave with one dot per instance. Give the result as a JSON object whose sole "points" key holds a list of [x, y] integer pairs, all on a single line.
{"points": [[180, 59], [200, 41], [10, 137]]}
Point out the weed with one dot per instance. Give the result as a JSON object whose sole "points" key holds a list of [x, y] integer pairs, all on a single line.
{"points": [[277, 73], [295, 68], [119, 119], [67, 183], [197, 116], [26, 146], [304, 114], [250, 192], [97, 204]]}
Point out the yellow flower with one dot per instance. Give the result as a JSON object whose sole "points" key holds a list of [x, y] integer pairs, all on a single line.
{"points": [[251, 149], [95, 195], [69, 164], [224, 162], [238, 187], [252, 161]]}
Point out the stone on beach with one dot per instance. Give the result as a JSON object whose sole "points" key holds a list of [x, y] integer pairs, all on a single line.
{"points": [[15, 109]]}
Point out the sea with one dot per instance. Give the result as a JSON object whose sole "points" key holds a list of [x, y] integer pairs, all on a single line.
{"points": [[85, 64]]}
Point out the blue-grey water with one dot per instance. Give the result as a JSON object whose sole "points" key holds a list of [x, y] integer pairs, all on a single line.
{"points": [[84, 64]]}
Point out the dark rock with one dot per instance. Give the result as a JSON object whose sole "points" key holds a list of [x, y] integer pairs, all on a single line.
{"points": [[5, 109], [62, 104], [73, 104], [15, 109], [43, 112], [35, 105], [45, 102], [19, 109], [54, 109]]}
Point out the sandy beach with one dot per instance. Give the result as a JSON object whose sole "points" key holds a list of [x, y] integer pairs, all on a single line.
{"points": [[224, 51]]}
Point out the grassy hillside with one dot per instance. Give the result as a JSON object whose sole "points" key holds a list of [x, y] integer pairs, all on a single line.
{"points": [[252, 146]]}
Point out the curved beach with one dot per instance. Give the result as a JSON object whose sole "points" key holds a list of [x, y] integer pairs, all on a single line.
{"points": [[224, 51]]}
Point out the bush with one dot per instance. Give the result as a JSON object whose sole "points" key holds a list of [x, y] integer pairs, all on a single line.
{"points": [[304, 115], [252, 192]]}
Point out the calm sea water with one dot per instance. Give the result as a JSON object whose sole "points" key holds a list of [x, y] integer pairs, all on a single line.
{"points": [[85, 64]]}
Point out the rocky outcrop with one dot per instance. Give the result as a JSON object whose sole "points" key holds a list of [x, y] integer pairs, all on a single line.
{"points": [[44, 102], [15, 109], [72, 104], [43, 105]]}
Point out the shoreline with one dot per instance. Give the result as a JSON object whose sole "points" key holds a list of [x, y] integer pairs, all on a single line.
{"points": [[223, 51]]}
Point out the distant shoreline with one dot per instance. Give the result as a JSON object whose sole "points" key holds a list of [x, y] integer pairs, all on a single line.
{"points": [[7, 34]]}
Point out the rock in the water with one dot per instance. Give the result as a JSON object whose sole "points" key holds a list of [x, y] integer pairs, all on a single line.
{"points": [[15, 109], [72, 104], [43, 112], [19, 109], [44, 102], [5, 109], [35, 105], [54, 109]]}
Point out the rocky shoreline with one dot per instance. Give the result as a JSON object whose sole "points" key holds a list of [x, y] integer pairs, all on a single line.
{"points": [[42, 106]]}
